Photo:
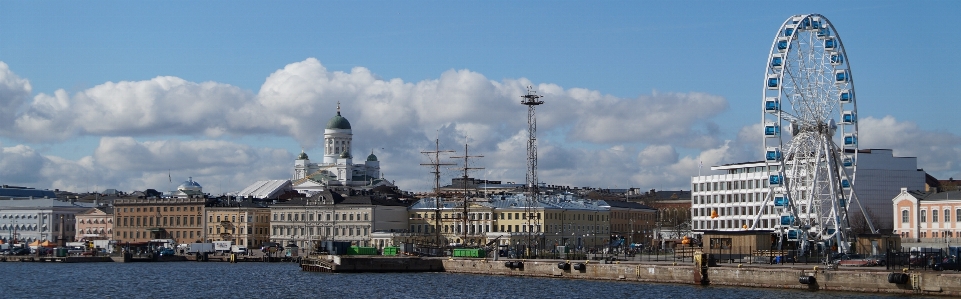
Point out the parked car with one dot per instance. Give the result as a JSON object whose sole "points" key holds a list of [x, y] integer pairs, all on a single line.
{"points": [[879, 259], [20, 251], [167, 252], [951, 263], [855, 260]]}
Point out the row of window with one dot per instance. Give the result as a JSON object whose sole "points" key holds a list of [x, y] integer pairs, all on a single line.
{"points": [[511, 216], [924, 234], [738, 211], [728, 198], [165, 209], [159, 221], [635, 216], [144, 234], [310, 216], [934, 216], [242, 230], [321, 231], [734, 223], [95, 221], [474, 229], [730, 185]]}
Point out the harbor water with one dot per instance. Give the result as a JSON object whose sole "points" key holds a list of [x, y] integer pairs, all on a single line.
{"points": [[285, 280]]}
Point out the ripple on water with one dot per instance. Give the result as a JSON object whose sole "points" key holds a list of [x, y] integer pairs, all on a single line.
{"points": [[284, 280]]}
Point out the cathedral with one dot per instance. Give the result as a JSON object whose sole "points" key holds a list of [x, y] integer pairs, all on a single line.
{"points": [[337, 170]]}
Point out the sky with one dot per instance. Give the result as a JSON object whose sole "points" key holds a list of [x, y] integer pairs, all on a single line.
{"points": [[134, 95]]}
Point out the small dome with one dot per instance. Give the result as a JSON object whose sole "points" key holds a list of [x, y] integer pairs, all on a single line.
{"points": [[189, 184], [303, 156], [345, 155], [372, 158]]}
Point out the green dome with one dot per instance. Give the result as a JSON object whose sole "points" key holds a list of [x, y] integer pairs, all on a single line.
{"points": [[303, 156], [338, 122], [345, 155], [372, 158]]}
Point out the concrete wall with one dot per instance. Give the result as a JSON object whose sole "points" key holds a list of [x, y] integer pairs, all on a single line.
{"points": [[859, 280]]}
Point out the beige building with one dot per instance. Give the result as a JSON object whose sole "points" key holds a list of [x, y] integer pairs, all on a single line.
{"points": [[242, 223], [138, 220], [448, 223], [928, 217], [331, 216], [551, 221], [95, 224]]}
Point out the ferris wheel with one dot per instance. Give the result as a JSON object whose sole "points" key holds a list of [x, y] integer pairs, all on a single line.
{"points": [[809, 114]]}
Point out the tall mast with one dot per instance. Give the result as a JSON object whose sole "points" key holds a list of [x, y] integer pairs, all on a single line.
{"points": [[466, 169], [531, 100], [434, 157]]}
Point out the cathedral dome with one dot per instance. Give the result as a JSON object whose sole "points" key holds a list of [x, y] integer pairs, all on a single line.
{"points": [[338, 122], [345, 155], [372, 158], [303, 156]]}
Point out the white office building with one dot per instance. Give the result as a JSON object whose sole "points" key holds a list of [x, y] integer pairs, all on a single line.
{"points": [[737, 195]]}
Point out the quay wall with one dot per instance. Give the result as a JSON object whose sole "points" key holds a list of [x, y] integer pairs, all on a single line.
{"points": [[851, 280]]}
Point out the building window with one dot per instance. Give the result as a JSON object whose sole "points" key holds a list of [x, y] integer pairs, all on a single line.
{"points": [[924, 216], [904, 216], [934, 215], [957, 215], [947, 215]]}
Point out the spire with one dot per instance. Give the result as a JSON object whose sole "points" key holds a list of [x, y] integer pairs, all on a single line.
{"points": [[338, 108]]}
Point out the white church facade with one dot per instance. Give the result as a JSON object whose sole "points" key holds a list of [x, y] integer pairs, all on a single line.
{"points": [[337, 170]]}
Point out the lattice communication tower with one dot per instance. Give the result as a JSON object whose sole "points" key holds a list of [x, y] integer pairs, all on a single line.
{"points": [[531, 100]]}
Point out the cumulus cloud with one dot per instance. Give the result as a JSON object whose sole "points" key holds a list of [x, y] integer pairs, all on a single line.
{"points": [[127, 164], [937, 151], [18, 164], [585, 137], [660, 118], [14, 92]]}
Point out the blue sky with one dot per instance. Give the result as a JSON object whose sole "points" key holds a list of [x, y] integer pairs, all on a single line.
{"points": [[110, 94]]}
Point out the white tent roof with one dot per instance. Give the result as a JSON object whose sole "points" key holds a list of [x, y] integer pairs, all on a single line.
{"points": [[265, 189]]}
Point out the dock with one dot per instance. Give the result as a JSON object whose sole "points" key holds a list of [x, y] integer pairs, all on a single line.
{"points": [[53, 259], [379, 264]]}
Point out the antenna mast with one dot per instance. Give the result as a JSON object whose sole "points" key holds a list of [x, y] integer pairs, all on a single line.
{"points": [[531, 100], [434, 157], [466, 168]]}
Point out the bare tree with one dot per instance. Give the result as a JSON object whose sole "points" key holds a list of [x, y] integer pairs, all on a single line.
{"points": [[859, 223]]}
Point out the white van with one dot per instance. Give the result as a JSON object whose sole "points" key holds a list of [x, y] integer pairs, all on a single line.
{"points": [[238, 249]]}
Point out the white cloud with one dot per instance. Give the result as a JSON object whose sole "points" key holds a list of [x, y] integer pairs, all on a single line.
{"points": [[937, 151], [14, 92], [585, 138], [126, 164], [18, 165]]}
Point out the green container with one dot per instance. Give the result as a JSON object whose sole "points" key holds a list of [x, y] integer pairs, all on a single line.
{"points": [[60, 251], [355, 250], [390, 251], [472, 253]]}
